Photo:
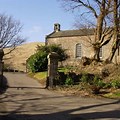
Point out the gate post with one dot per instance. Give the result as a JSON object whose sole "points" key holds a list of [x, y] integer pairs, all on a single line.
{"points": [[1, 74], [52, 69], [1, 67]]}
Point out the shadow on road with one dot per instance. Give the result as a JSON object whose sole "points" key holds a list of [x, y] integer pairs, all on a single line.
{"points": [[3, 85], [31, 104], [71, 114]]}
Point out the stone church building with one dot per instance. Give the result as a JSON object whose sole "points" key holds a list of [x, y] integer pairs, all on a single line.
{"points": [[78, 44]]}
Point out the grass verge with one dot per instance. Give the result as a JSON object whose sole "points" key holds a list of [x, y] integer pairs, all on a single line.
{"points": [[114, 94], [40, 77]]}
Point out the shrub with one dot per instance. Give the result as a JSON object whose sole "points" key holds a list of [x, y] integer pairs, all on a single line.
{"points": [[97, 81], [37, 62], [105, 72], [97, 84], [86, 61], [61, 78], [87, 78], [93, 82], [84, 78], [54, 48], [107, 85], [69, 81], [115, 84], [6, 67]]}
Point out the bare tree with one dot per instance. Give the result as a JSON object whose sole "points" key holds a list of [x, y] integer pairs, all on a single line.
{"points": [[116, 16], [9, 32], [100, 10]]}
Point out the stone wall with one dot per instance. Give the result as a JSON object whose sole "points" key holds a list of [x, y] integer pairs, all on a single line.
{"points": [[69, 43]]}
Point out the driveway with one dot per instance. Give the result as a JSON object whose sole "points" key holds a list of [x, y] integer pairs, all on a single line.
{"points": [[20, 80], [34, 103]]}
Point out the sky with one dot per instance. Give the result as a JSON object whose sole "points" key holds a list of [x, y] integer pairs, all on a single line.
{"points": [[37, 17]]}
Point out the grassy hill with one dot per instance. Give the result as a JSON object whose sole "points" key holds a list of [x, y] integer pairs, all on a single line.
{"points": [[17, 58]]}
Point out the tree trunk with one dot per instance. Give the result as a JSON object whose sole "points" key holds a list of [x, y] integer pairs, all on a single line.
{"points": [[99, 31], [116, 32], [98, 34], [96, 54]]}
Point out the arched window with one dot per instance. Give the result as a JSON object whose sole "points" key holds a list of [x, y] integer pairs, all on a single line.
{"points": [[100, 53], [78, 50]]}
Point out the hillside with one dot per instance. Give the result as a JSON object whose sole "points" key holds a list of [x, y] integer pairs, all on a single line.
{"points": [[17, 58]]}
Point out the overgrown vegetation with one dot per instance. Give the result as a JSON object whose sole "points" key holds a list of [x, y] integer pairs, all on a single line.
{"points": [[93, 78], [71, 81], [54, 48], [85, 80], [38, 62]]}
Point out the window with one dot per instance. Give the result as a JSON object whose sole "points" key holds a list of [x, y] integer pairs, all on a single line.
{"points": [[78, 50], [100, 53]]}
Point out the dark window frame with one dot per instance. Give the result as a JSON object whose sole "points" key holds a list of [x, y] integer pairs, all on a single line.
{"points": [[101, 52], [78, 50]]}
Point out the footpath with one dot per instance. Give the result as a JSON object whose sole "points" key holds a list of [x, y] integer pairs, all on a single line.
{"points": [[27, 100]]}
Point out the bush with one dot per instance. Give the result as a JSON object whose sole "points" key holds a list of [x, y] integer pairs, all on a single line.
{"points": [[97, 81], [115, 84], [37, 62], [107, 85], [61, 78], [93, 82], [6, 67], [69, 81], [54, 48], [84, 78], [105, 72], [87, 78], [97, 84]]}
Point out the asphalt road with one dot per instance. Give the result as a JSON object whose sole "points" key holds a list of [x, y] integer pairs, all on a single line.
{"points": [[34, 103]]}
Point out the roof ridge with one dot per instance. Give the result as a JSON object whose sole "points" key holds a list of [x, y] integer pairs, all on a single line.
{"points": [[70, 33], [77, 29]]}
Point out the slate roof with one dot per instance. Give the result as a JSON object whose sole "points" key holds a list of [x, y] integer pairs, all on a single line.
{"points": [[71, 33]]}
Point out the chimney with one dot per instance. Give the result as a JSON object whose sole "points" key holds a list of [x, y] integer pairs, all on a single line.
{"points": [[56, 27]]}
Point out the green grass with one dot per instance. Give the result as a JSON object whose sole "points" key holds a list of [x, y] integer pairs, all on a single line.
{"points": [[40, 75], [113, 94], [65, 69]]}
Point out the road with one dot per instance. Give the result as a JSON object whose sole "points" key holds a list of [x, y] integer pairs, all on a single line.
{"points": [[16, 80], [34, 103]]}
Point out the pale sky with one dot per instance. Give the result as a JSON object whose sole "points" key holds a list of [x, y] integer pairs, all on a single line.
{"points": [[37, 16]]}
